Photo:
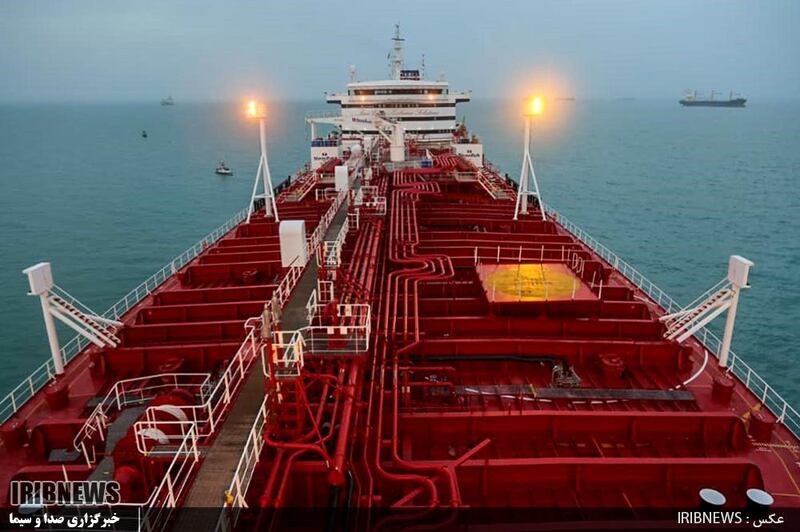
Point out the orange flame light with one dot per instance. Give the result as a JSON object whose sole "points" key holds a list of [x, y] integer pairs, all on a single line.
{"points": [[534, 107], [255, 109]]}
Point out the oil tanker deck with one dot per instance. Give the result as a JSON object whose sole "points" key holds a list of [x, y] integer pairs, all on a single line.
{"points": [[397, 337]]}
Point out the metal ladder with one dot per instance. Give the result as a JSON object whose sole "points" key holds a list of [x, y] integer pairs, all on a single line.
{"points": [[684, 323], [100, 331]]}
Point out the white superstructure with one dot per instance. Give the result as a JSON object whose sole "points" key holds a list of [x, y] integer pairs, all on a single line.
{"points": [[426, 110]]}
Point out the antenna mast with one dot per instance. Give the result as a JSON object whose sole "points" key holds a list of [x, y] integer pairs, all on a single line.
{"points": [[396, 61]]}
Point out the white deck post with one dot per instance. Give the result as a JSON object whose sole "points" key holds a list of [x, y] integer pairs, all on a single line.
{"points": [[738, 269], [257, 110], [40, 277], [270, 208], [527, 173]]}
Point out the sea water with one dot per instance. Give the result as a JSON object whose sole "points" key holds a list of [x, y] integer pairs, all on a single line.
{"points": [[672, 190]]}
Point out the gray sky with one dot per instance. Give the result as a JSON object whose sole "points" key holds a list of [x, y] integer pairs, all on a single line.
{"points": [[203, 50]]}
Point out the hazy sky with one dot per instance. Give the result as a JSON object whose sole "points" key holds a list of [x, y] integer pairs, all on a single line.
{"points": [[203, 50]]}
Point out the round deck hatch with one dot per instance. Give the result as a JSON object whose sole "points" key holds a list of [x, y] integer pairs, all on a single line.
{"points": [[711, 498]]}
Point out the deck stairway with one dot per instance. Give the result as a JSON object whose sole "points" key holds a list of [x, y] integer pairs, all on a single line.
{"points": [[684, 323], [80, 318], [488, 182]]}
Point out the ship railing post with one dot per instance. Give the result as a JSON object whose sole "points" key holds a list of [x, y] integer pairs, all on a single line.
{"points": [[226, 382], [211, 417], [171, 495], [195, 451]]}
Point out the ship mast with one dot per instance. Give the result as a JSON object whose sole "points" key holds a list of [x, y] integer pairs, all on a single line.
{"points": [[396, 59]]}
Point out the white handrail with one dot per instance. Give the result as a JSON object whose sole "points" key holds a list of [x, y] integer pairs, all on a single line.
{"points": [[207, 416], [126, 392], [18, 396], [237, 491], [315, 240], [771, 399], [332, 249], [154, 513]]}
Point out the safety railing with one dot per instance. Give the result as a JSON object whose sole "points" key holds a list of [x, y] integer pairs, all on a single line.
{"points": [[287, 284], [207, 415], [332, 249], [367, 197], [300, 188], [325, 291], [163, 500], [377, 204], [311, 306], [11, 403], [323, 114], [316, 238], [354, 218], [574, 258], [319, 297], [327, 193], [128, 392], [349, 335], [153, 515], [287, 355], [237, 491], [770, 398], [161, 437], [487, 182]]}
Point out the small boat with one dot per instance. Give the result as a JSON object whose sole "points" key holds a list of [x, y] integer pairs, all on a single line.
{"points": [[168, 101], [222, 169], [144, 134]]}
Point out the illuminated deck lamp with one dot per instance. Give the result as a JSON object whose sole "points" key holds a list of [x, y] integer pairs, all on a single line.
{"points": [[256, 110], [527, 176]]}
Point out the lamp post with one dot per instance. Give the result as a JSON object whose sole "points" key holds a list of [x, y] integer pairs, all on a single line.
{"points": [[257, 110], [533, 108]]}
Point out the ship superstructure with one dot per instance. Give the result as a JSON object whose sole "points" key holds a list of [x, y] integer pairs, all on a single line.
{"points": [[425, 109], [396, 335]]}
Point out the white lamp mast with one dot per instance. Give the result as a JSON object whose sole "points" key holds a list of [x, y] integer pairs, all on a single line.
{"points": [[258, 110], [527, 175]]}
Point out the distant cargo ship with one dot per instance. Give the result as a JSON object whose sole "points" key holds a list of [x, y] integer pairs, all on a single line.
{"points": [[168, 101], [691, 99]]}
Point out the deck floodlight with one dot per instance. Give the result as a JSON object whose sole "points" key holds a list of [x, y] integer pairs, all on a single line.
{"points": [[256, 109], [534, 106], [528, 185]]}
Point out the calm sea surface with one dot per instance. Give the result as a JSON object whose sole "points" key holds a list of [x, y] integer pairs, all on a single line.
{"points": [[674, 191]]}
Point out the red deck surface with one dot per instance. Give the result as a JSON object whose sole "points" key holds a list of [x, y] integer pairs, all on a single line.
{"points": [[456, 405]]}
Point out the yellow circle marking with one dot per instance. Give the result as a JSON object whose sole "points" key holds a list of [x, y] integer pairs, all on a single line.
{"points": [[531, 282]]}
